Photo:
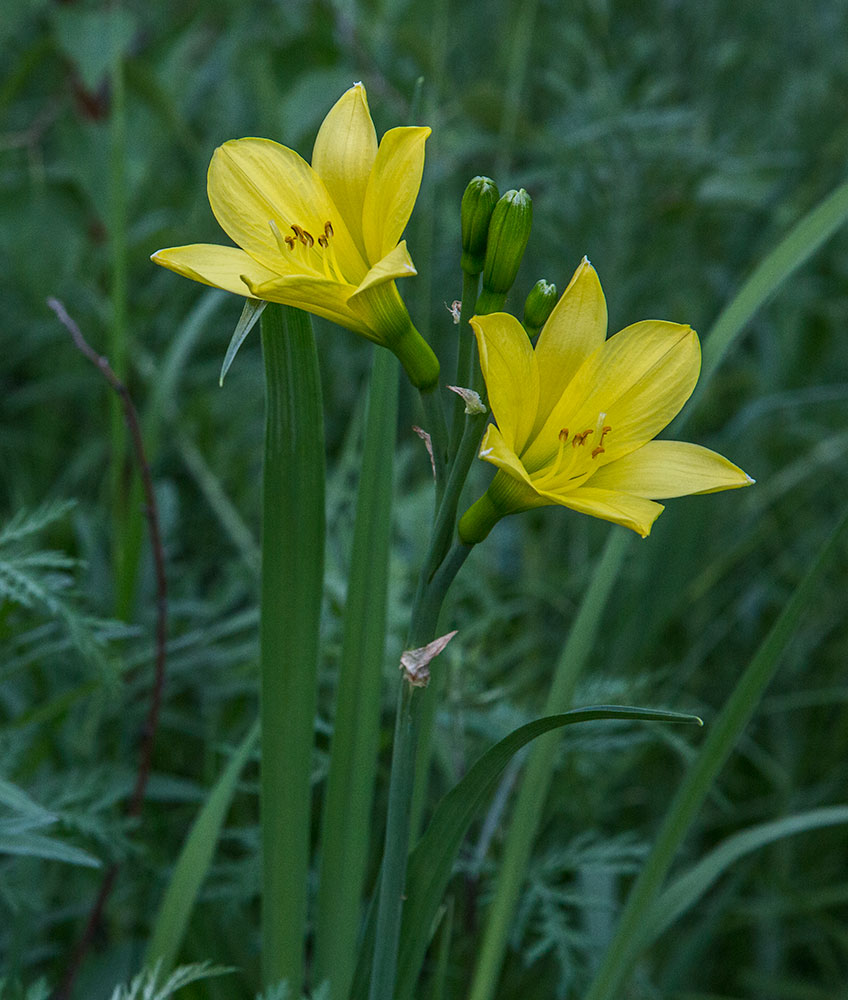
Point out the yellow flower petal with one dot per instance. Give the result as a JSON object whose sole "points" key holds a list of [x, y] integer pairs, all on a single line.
{"points": [[511, 373], [392, 189], [255, 182], [396, 264], [343, 155], [576, 328], [316, 295], [662, 469], [638, 380], [300, 228], [220, 267], [495, 450], [631, 512]]}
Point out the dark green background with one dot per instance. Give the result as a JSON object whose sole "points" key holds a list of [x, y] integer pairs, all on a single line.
{"points": [[672, 143]]}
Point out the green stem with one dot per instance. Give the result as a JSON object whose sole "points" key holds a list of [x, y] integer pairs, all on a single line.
{"points": [[490, 302], [353, 758], [410, 704], [292, 581], [435, 426], [393, 872], [464, 356], [443, 531], [445, 524]]}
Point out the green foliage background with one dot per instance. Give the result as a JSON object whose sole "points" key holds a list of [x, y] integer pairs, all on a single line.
{"points": [[672, 143]]}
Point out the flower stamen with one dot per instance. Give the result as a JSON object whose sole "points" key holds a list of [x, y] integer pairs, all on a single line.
{"points": [[306, 238], [602, 429], [556, 467], [331, 265], [278, 236], [329, 262]]}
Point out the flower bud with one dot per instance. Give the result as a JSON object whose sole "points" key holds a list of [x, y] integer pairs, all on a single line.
{"points": [[509, 231], [538, 305], [478, 203]]}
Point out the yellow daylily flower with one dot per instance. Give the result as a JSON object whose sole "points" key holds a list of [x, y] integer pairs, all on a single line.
{"points": [[325, 237], [576, 417]]}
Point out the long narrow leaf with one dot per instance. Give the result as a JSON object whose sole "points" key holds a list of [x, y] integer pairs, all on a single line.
{"points": [[346, 821], [193, 862], [293, 527], [431, 863], [36, 845], [722, 736], [539, 770], [799, 244], [689, 887]]}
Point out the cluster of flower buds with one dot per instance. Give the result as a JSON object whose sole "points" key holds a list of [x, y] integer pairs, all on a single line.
{"points": [[495, 232], [509, 231]]}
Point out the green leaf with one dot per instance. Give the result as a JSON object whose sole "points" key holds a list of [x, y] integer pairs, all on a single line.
{"points": [[148, 985], [689, 887], [431, 863], [539, 768], [35, 845], [347, 817], [724, 732], [799, 244], [253, 309], [28, 810], [194, 861], [293, 540]]}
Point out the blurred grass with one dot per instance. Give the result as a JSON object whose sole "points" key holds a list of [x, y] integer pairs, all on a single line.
{"points": [[674, 144]]}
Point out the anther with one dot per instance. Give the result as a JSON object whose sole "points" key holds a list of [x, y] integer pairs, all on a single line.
{"points": [[323, 242], [597, 451], [307, 238], [328, 229], [563, 435], [581, 437], [278, 236]]}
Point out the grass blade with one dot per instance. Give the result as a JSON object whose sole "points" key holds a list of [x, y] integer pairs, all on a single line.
{"points": [[721, 739], [799, 244], [431, 863], [689, 887], [540, 768], [194, 861], [346, 820]]}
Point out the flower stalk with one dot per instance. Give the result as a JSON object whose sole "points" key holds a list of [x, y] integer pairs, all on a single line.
{"points": [[293, 526], [346, 820], [408, 721]]}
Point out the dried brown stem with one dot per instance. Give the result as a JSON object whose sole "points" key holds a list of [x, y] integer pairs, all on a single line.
{"points": [[151, 723]]}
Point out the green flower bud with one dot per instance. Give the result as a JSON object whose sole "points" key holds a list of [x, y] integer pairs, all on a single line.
{"points": [[538, 306], [478, 203], [509, 231]]}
